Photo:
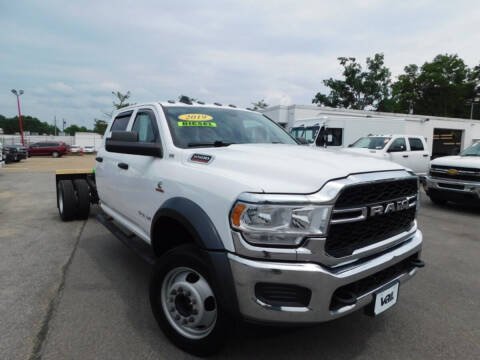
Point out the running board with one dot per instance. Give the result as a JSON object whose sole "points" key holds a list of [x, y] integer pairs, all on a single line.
{"points": [[134, 243]]}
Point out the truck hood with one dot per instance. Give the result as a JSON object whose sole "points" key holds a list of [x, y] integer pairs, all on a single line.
{"points": [[278, 168], [460, 161]]}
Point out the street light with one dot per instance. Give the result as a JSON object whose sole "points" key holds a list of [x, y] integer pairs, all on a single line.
{"points": [[17, 94]]}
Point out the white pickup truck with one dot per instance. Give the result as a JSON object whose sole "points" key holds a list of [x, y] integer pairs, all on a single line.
{"points": [[455, 178], [242, 223], [409, 151]]}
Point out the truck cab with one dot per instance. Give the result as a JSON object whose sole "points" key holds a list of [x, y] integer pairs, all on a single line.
{"points": [[409, 151]]}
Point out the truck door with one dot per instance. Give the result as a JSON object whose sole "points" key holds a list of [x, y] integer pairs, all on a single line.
{"points": [[398, 153], [419, 156], [141, 185], [107, 172]]}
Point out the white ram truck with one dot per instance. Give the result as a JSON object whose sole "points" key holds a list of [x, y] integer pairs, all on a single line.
{"points": [[410, 151], [455, 178], [242, 223]]}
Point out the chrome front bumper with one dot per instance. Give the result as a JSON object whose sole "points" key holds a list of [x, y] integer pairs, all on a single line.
{"points": [[321, 280], [439, 184]]}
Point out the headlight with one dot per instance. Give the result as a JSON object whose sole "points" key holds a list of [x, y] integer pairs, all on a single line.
{"points": [[279, 225]]}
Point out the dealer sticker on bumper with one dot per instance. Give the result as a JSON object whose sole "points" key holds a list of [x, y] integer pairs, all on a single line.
{"points": [[386, 298]]}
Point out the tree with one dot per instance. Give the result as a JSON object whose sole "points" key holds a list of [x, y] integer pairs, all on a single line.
{"points": [[441, 87], [122, 99], [360, 89], [30, 123], [72, 129], [100, 126], [259, 105]]}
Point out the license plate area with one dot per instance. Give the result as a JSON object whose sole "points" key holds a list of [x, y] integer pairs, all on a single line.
{"points": [[384, 299]]}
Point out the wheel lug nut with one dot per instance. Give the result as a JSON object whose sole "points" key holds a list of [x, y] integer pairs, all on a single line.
{"points": [[194, 311], [191, 319]]}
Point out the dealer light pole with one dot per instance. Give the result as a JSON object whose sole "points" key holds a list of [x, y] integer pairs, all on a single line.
{"points": [[17, 94]]}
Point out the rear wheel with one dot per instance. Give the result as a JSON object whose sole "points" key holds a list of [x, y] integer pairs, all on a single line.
{"points": [[183, 300], [83, 198], [66, 200], [55, 154]]}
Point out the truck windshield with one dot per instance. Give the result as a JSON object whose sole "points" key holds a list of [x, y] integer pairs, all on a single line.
{"points": [[473, 150], [205, 126], [371, 142]]}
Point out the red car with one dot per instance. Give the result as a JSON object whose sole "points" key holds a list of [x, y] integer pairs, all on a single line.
{"points": [[55, 149]]}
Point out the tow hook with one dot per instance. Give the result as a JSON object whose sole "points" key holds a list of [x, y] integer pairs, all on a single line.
{"points": [[418, 263]]}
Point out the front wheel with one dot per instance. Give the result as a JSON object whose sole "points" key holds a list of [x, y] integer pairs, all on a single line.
{"points": [[55, 154], [184, 302]]}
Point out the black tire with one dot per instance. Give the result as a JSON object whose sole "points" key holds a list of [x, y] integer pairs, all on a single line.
{"points": [[66, 200], [83, 198], [188, 256], [437, 200], [55, 154]]}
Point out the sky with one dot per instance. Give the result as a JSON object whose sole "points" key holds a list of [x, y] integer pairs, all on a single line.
{"points": [[68, 56]]}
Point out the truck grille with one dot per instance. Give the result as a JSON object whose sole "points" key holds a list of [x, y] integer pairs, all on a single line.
{"points": [[344, 238], [363, 194], [459, 173]]}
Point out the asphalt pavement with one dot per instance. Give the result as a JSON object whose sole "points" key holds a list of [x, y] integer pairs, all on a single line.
{"points": [[73, 291]]}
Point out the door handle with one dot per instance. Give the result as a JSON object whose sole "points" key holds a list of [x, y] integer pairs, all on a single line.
{"points": [[405, 156], [425, 155], [123, 166], [99, 159]]}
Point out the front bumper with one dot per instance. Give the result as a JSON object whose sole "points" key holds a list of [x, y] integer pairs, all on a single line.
{"points": [[459, 187], [321, 280]]}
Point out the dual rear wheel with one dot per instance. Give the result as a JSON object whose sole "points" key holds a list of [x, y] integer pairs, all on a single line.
{"points": [[73, 199]]}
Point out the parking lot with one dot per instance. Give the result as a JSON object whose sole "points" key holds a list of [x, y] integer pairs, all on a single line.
{"points": [[73, 291]]}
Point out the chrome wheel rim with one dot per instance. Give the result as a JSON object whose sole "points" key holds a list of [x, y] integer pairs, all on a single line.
{"points": [[188, 303]]}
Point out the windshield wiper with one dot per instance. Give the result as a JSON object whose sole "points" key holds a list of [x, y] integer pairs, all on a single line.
{"points": [[217, 143], [471, 155]]}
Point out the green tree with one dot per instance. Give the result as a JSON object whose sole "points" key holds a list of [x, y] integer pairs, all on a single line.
{"points": [[360, 89], [100, 126], [30, 123], [441, 87], [72, 129], [122, 99], [259, 105]]}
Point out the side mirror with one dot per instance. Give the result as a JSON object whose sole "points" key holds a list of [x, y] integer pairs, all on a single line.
{"points": [[126, 142], [350, 145], [302, 141]]}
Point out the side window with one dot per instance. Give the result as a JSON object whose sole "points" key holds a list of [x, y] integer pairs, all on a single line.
{"points": [[330, 137], [145, 127], [120, 122], [398, 145], [415, 144]]}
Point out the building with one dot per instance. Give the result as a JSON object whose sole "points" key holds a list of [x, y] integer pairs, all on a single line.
{"points": [[445, 136]]}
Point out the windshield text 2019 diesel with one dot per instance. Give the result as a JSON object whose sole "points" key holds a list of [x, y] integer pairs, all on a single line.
{"points": [[242, 223]]}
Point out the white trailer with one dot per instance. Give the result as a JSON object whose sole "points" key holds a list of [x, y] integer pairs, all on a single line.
{"points": [[83, 139]]}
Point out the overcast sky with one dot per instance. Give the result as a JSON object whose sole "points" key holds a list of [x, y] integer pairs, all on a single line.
{"points": [[69, 55]]}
